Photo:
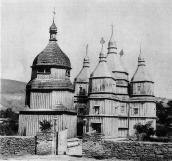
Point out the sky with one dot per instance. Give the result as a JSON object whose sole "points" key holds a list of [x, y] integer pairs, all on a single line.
{"points": [[146, 23]]}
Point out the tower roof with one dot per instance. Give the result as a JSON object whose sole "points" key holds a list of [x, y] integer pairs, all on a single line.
{"points": [[53, 27], [113, 57], [112, 42], [141, 73], [101, 69], [52, 55], [84, 74]]}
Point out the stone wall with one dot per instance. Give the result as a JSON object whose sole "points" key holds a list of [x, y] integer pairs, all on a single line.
{"points": [[44, 143], [17, 145], [100, 148]]}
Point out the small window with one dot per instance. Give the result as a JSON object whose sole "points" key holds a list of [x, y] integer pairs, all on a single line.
{"points": [[40, 70], [47, 70], [136, 111], [96, 109], [139, 87], [80, 110], [122, 109], [81, 91], [67, 73]]}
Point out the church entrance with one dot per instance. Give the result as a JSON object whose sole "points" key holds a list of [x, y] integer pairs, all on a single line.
{"points": [[96, 127], [80, 129]]}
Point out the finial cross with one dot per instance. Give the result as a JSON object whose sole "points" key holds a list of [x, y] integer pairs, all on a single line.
{"points": [[102, 41], [112, 28], [87, 49], [54, 12]]}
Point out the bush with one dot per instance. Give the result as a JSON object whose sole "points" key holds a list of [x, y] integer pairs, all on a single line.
{"points": [[45, 125], [143, 132]]}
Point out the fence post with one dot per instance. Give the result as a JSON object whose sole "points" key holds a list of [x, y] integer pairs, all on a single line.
{"points": [[35, 144]]}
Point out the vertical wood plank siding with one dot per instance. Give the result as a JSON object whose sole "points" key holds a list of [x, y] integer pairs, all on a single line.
{"points": [[108, 125], [63, 97], [142, 88], [32, 126], [49, 100], [103, 85], [41, 100]]}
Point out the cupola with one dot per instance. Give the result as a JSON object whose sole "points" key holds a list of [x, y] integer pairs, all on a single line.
{"points": [[82, 79], [51, 68], [141, 82], [113, 57], [115, 64], [101, 79], [84, 74]]}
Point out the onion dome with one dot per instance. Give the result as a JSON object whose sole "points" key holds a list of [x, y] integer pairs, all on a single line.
{"points": [[101, 69], [84, 74], [141, 73], [52, 55]]}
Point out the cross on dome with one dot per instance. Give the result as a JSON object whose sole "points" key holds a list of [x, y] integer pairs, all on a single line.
{"points": [[102, 41], [54, 13], [86, 49]]}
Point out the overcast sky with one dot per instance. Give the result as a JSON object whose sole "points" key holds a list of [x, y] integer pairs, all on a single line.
{"points": [[25, 24]]}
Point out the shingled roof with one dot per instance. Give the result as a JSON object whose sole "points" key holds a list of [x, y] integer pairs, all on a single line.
{"points": [[52, 55], [50, 84]]}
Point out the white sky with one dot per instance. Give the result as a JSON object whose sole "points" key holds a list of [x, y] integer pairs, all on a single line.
{"points": [[25, 24]]}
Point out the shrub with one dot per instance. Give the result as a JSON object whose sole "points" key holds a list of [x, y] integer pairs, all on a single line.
{"points": [[45, 125], [143, 132]]}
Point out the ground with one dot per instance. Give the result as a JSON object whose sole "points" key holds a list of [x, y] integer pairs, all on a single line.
{"points": [[53, 158]]}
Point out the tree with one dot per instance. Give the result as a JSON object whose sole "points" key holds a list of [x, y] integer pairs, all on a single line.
{"points": [[143, 132], [45, 125], [9, 123], [164, 120]]}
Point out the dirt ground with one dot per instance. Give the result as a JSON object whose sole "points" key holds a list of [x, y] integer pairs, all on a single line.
{"points": [[52, 158]]}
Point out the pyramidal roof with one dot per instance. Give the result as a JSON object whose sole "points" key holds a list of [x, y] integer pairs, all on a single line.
{"points": [[84, 74], [101, 69], [141, 73]]}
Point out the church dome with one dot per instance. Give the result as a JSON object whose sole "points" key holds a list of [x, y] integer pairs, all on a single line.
{"points": [[52, 55]]}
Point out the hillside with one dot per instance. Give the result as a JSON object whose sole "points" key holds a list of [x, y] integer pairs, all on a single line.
{"points": [[12, 94]]}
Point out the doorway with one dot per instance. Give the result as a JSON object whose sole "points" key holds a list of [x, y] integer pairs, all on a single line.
{"points": [[96, 127]]}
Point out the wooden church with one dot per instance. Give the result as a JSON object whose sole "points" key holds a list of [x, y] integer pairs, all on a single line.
{"points": [[104, 100]]}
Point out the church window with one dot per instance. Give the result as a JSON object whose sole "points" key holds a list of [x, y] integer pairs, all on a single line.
{"points": [[136, 111], [96, 109], [80, 110], [47, 70], [41, 70], [81, 91], [139, 87], [67, 73], [122, 109]]}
